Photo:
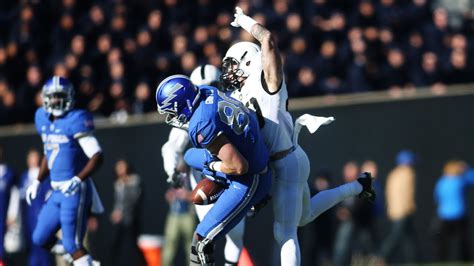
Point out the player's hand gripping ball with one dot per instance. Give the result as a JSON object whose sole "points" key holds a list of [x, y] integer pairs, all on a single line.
{"points": [[207, 191]]}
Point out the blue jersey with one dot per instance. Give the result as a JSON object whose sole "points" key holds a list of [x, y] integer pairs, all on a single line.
{"points": [[60, 138], [219, 114]]}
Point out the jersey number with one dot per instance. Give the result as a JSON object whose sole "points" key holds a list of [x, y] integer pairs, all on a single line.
{"points": [[233, 113], [54, 149]]}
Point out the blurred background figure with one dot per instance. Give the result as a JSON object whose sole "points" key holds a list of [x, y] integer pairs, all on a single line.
{"points": [[180, 222], [7, 179], [400, 199], [317, 237], [450, 196], [356, 220], [37, 256], [125, 217]]}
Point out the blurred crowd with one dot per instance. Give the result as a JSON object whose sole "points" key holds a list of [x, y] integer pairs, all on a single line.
{"points": [[115, 52]]}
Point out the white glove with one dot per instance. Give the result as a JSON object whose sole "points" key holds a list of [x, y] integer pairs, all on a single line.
{"points": [[32, 191], [70, 188], [242, 20], [238, 13]]}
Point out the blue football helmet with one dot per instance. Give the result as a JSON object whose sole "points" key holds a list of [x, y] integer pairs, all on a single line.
{"points": [[58, 96], [177, 96]]}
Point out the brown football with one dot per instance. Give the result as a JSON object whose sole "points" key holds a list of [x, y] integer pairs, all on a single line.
{"points": [[207, 192]]}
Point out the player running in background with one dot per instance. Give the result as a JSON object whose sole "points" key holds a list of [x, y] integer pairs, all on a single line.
{"points": [[255, 75], [228, 148], [173, 150], [72, 155]]}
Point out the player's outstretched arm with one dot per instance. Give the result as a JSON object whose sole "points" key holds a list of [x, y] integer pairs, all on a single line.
{"points": [[271, 59], [232, 162], [43, 171]]}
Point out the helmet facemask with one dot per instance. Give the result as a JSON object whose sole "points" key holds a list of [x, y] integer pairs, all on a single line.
{"points": [[179, 116], [57, 103], [233, 76]]}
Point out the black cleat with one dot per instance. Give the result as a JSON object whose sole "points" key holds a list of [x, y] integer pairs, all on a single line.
{"points": [[368, 192]]}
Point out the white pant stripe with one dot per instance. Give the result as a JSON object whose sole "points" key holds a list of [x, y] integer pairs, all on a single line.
{"points": [[210, 236], [80, 213]]}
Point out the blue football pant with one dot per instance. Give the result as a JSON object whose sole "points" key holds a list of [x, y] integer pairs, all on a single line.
{"points": [[234, 203], [66, 213]]}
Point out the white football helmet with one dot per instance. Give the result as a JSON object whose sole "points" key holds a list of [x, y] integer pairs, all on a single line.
{"points": [[206, 75], [236, 65]]}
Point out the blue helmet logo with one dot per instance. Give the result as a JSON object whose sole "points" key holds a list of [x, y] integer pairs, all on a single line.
{"points": [[176, 96]]}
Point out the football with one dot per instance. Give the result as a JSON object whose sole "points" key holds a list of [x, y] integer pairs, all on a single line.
{"points": [[207, 192]]}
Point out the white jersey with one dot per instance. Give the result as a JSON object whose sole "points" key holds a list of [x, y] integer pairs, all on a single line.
{"points": [[173, 149], [278, 129]]}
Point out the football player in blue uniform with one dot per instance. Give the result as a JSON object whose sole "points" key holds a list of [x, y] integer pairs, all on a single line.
{"points": [[7, 180], [72, 154], [228, 149]]}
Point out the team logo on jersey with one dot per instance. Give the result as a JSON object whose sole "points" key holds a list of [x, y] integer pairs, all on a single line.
{"points": [[54, 138]]}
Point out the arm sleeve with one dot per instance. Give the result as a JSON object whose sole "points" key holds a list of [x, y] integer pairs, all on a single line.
{"points": [[82, 125], [89, 145], [173, 149]]}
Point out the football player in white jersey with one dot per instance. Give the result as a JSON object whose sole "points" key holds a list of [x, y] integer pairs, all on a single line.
{"points": [[173, 150], [255, 75]]}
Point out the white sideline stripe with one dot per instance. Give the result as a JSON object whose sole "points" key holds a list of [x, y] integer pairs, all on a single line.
{"points": [[210, 236]]}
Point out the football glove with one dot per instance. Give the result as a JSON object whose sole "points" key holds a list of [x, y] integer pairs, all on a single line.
{"points": [[32, 191], [71, 187]]}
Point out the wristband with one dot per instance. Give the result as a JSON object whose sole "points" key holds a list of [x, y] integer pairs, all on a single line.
{"points": [[246, 22], [216, 166]]}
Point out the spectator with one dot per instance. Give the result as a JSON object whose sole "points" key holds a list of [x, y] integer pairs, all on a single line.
{"points": [[450, 196], [125, 216], [143, 103], [400, 199], [180, 221], [317, 237], [355, 223], [37, 256], [7, 180]]}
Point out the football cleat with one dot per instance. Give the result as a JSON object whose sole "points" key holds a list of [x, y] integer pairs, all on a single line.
{"points": [[368, 192]]}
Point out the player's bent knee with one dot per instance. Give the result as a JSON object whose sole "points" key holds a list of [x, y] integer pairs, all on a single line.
{"points": [[282, 232]]}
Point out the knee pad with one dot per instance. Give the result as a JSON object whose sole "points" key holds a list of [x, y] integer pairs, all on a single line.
{"points": [[202, 251], [283, 232]]}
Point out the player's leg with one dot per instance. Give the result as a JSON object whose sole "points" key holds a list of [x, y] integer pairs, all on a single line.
{"points": [[234, 243], [74, 212], [290, 180], [44, 234], [227, 212], [188, 224], [234, 239]]}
